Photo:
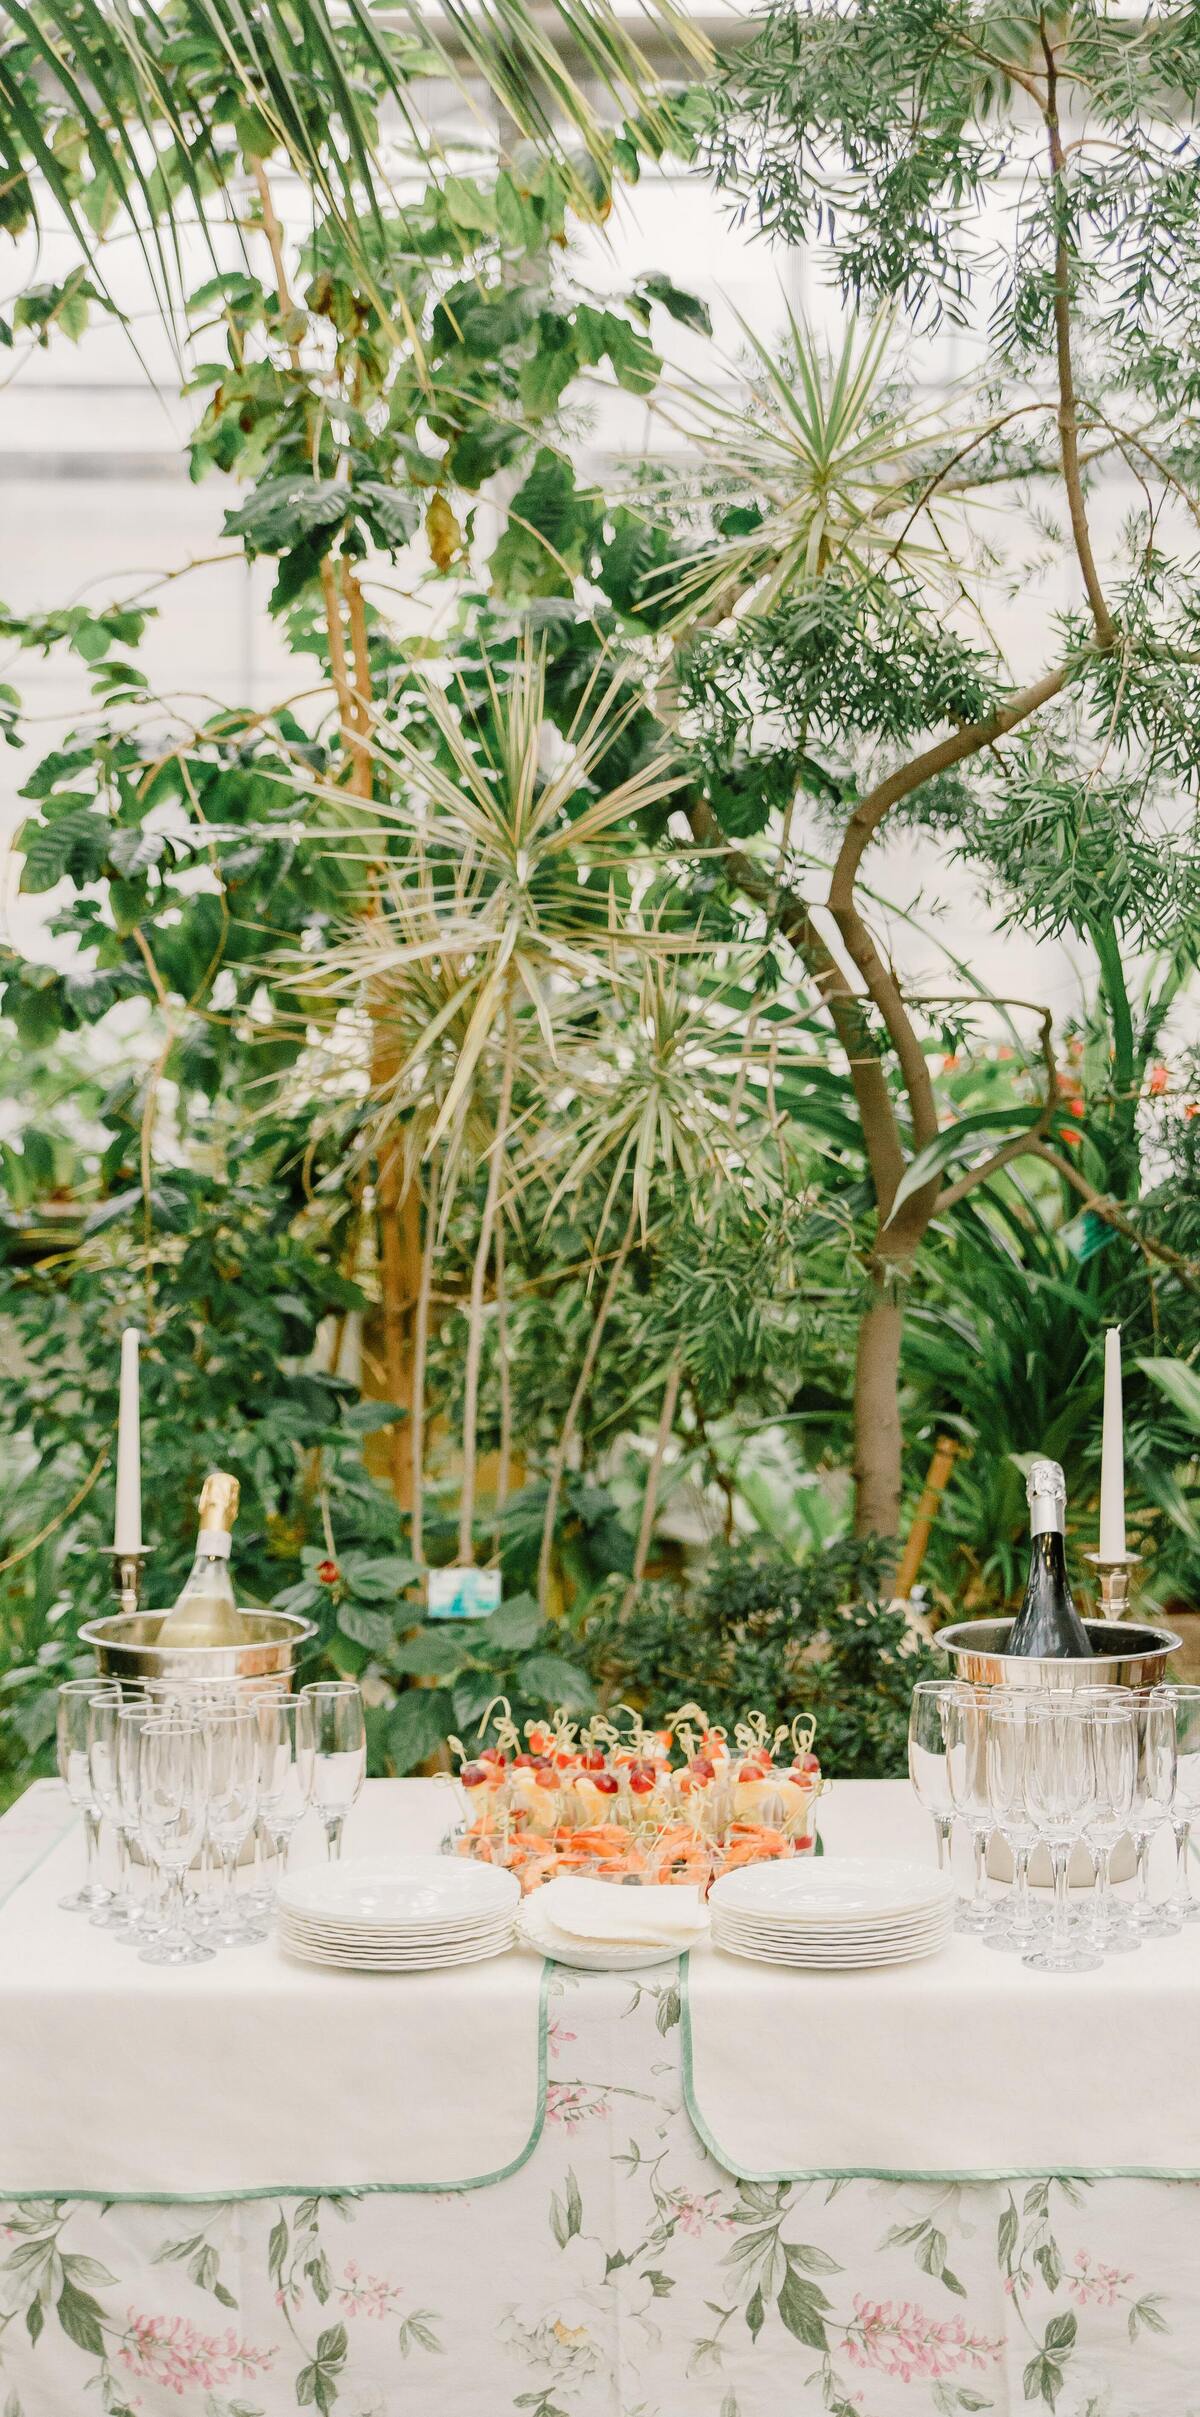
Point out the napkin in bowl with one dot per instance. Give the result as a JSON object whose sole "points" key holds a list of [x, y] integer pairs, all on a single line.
{"points": [[623, 1917]]}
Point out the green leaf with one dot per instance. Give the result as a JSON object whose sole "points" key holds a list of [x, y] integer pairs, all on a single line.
{"points": [[688, 309], [755, 2315], [811, 2261], [80, 2317], [1180, 1383], [382, 1576], [1007, 2235], [1061, 2332], [392, 513], [550, 1677], [283, 510], [431, 1653], [376, 1630], [958, 1141], [517, 1622], [418, 1726], [800, 2305]]}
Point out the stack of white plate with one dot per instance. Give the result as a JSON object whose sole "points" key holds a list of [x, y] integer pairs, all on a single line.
{"points": [[848, 1912], [413, 1913]]}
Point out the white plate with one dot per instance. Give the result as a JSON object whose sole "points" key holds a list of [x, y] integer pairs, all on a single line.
{"points": [[588, 1955], [349, 1961], [865, 1933], [411, 1892], [449, 1934], [837, 1889], [803, 1962]]}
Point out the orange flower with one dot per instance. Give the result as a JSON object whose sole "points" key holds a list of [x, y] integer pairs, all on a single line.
{"points": [[1159, 1079], [328, 1573]]}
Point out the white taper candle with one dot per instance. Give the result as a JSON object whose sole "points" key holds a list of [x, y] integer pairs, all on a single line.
{"points": [[127, 1535], [1112, 1454]]}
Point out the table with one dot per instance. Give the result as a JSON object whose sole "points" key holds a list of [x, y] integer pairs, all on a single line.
{"points": [[620, 2272]]}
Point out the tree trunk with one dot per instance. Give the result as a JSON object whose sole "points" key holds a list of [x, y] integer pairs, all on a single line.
{"points": [[558, 1465], [483, 1251], [877, 1435], [666, 1421]]}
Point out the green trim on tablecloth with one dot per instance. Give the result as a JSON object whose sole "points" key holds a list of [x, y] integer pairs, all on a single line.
{"points": [[895, 2173], [324, 2190]]}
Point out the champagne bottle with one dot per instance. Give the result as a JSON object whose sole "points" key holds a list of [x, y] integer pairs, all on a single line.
{"points": [[206, 1612], [1048, 1624]]}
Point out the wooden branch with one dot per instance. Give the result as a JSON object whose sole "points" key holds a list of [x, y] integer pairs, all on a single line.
{"points": [[873, 1098], [970, 740], [1068, 420], [1020, 1143], [1188, 1270]]}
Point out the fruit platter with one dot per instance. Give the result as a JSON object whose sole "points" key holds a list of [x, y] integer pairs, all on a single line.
{"points": [[615, 1800]]}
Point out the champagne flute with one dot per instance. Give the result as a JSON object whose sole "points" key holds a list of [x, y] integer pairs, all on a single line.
{"points": [[1060, 1783], [75, 1697], [143, 1917], [233, 1751], [331, 1753], [281, 1799], [966, 1769], [1154, 1805], [927, 1757], [1111, 1928], [104, 1713], [1005, 1750], [1186, 1701], [172, 1762]]}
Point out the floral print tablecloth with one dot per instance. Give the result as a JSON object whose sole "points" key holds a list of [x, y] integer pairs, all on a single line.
{"points": [[620, 2273]]}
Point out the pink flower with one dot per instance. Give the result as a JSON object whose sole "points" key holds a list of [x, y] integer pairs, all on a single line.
{"points": [[900, 2340], [1095, 2286], [695, 2215], [171, 2350], [365, 2295], [558, 2038], [570, 2104]]}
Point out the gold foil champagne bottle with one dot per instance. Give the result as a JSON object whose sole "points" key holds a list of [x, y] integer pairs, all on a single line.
{"points": [[206, 1612]]}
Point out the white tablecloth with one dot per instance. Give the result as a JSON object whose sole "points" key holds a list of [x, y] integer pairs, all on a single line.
{"points": [[964, 2065], [621, 2271], [253, 2072]]}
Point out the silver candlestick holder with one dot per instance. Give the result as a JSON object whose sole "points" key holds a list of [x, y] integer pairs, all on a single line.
{"points": [[128, 1572], [1115, 1580]]}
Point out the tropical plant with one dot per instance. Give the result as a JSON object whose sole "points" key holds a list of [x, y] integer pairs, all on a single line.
{"points": [[1063, 781]]}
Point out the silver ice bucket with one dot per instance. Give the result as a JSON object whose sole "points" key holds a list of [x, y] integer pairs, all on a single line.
{"points": [[126, 1650], [1125, 1654]]}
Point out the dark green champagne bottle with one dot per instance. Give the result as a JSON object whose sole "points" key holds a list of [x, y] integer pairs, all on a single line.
{"points": [[1047, 1624]]}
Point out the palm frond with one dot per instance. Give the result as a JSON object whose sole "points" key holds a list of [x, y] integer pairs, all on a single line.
{"points": [[826, 464]]}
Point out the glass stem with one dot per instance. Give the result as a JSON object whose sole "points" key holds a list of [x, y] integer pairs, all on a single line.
{"points": [[1060, 1861], [1183, 1838], [1142, 1851], [979, 1839], [173, 1923], [1022, 1920], [1103, 1901], [229, 1907], [942, 1823], [91, 1848], [334, 1825]]}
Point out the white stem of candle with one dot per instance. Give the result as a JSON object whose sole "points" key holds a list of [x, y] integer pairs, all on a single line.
{"points": [[1112, 1454], [127, 1534]]}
